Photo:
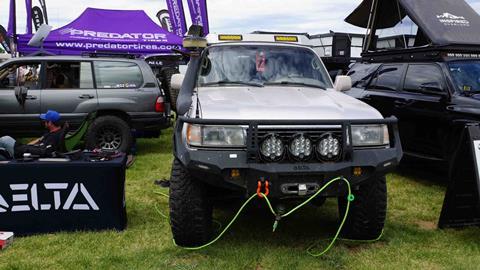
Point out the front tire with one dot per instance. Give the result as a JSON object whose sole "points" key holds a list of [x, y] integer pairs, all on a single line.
{"points": [[366, 218], [109, 133], [190, 209]]}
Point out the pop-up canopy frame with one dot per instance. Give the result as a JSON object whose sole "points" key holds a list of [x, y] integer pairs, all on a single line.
{"points": [[106, 31]]}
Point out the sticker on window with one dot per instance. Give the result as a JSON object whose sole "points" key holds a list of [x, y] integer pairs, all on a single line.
{"points": [[260, 62]]}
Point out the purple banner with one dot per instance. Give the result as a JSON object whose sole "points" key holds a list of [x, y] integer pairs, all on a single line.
{"points": [[199, 14], [177, 17], [12, 20]]}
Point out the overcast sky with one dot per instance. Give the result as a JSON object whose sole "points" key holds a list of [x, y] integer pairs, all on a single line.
{"points": [[226, 16]]}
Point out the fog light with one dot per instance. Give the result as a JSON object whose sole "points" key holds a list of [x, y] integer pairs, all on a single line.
{"points": [[329, 148], [301, 147], [235, 173], [357, 171], [272, 148]]}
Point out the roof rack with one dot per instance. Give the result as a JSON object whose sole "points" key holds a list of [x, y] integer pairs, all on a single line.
{"points": [[426, 53], [98, 54]]}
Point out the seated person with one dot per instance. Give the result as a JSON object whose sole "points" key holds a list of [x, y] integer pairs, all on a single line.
{"points": [[44, 146]]}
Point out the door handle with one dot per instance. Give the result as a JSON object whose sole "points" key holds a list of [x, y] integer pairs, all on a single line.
{"points": [[85, 96], [30, 97]]}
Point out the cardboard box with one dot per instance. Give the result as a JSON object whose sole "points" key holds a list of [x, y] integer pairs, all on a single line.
{"points": [[6, 239]]}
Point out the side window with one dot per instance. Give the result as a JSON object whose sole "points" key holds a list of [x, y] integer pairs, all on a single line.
{"points": [[387, 78], [422, 78], [117, 75], [361, 74], [69, 75], [20, 74]]}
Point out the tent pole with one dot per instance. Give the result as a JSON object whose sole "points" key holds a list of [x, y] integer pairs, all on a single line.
{"points": [[371, 19], [12, 26], [28, 6]]}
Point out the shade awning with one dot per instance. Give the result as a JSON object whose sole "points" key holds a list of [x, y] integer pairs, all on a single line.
{"points": [[101, 30], [444, 22]]}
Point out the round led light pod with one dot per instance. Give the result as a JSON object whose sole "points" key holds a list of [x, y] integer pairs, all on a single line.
{"points": [[272, 148], [301, 147], [329, 148]]}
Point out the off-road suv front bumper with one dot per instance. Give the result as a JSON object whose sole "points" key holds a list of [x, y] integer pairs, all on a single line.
{"points": [[240, 169]]}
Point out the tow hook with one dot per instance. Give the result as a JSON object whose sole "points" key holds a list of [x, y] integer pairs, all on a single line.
{"points": [[300, 189], [262, 183]]}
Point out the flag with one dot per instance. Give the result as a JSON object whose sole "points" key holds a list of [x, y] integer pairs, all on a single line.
{"points": [[177, 17], [199, 14]]}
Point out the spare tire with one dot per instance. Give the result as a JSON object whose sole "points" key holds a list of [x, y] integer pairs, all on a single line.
{"points": [[172, 94], [109, 133]]}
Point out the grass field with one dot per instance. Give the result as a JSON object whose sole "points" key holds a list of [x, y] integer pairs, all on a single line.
{"points": [[410, 241]]}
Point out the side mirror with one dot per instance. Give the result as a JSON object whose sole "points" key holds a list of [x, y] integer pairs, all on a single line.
{"points": [[21, 93], [343, 83], [177, 81]]}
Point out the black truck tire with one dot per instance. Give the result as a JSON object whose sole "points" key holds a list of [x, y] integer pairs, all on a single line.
{"points": [[190, 209], [366, 218], [109, 133], [167, 86]]}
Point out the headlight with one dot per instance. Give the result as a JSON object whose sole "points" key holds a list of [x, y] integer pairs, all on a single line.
{"points": [[216, 136], [301, 147], [371, 135], [329, 147], [272, 148]]}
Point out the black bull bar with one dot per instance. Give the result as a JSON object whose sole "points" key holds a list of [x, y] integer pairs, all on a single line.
{"points": [[253, 140]]}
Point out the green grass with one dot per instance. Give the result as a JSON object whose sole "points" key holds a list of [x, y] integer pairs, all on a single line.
{"points": [[411, 240]]}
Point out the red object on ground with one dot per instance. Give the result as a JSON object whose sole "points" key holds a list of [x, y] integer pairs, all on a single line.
{"points": [[6, 239]]}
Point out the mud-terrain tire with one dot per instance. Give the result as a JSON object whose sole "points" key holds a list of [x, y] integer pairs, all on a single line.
{"points": [[190, 209], [109, 133], [366, 218]]}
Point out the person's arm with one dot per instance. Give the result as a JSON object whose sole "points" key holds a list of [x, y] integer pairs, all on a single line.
{"points": [[35, 141]]}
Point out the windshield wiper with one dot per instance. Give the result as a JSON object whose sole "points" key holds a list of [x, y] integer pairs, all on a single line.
{"points": [[296, 83], [233, 82]]}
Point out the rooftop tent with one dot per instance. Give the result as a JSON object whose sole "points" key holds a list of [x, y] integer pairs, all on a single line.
{"points": [[113, 31], [441, 22]]}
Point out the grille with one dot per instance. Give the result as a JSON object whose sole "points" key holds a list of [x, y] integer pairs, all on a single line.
{"points": [[256, 135]]}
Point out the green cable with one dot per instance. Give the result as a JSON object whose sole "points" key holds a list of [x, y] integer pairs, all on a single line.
{"points": [[350, 198], [224, 230]]}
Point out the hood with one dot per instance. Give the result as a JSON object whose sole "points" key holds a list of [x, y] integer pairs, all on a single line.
{"points": [[281, 103]]}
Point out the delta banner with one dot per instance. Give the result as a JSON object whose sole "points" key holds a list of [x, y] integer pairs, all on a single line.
{"points": [[37, 17], [177, 17], [199, 14], [163, 17]]}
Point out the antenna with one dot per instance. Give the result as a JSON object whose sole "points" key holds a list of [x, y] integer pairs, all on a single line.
{"points": [[38, 39]]}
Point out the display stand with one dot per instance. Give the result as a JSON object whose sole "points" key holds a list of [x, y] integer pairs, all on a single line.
{"points": [[461, 206]]}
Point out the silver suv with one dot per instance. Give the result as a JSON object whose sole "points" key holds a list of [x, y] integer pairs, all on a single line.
{"points": [[265, 117], [123, 94]]}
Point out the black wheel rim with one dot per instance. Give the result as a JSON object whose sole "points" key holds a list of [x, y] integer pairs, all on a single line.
{"points": [[109, 138]]}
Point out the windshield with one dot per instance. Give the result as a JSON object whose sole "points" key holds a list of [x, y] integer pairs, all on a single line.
{"points": [[466, 75], [262, 65]]}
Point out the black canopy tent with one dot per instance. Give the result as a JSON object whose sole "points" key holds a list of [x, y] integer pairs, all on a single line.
{"points": [[440, 22]]}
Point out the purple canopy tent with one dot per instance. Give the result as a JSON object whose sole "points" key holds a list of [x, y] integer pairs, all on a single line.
{"points": [[113, 31]]}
